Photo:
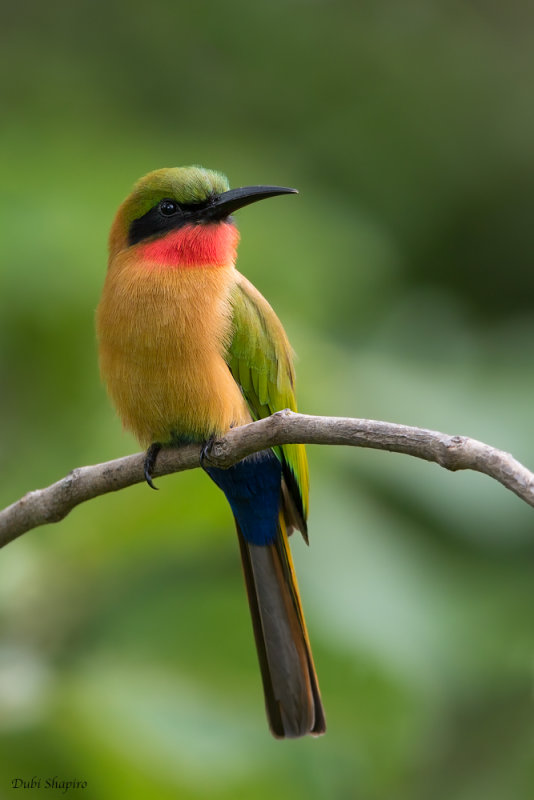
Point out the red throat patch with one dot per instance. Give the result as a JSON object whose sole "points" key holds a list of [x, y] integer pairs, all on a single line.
{"points": [[210, 245]]}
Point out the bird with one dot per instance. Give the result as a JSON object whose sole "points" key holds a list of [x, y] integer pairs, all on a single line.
{"points": [[189, 348]]}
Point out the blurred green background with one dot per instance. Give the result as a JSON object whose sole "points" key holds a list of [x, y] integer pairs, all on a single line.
{"points": [[403, 273]]}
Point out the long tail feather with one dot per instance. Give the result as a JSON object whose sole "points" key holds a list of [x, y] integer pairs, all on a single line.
{"points": [[291, 689]]}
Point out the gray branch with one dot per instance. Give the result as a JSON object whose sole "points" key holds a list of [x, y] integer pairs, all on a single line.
{"points": [[285, 427]]}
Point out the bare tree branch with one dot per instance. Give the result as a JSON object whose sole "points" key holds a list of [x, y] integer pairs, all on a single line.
{"points": [[452, 452]]}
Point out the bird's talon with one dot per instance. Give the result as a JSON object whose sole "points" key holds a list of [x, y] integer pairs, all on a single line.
{"points": [[204, 452], [150, 463], [148, 479]]}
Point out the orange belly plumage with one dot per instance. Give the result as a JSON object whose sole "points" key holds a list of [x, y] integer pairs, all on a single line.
{"points": [[163, 334]]}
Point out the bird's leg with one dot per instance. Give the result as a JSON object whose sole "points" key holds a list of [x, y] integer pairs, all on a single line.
{"points": [[150, 462], [204, 452], [206, 447]]}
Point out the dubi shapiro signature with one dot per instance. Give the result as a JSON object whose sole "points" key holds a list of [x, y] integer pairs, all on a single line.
{"points": [[47, 783]]}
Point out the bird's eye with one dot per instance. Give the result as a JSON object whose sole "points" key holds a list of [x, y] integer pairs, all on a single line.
{"points": [[168, 207]]}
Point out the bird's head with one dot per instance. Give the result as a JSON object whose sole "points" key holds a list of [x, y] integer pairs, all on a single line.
{"points": [[171, 200]]}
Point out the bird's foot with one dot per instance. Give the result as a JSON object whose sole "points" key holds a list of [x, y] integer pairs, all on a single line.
{"points": [[150, 463], [205, 451]]}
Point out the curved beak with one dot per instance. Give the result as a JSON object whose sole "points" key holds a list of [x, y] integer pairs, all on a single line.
{"points": [[226, 203]]}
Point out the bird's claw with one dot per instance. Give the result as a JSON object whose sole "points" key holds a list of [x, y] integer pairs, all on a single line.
{"points": [[150, 463], [205, 449]]}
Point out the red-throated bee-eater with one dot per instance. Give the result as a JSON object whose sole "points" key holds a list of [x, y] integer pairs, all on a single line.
{"points": [[188, 349]]}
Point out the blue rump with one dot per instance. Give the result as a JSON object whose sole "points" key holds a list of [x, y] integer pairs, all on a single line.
{"points": [[253, 489]]}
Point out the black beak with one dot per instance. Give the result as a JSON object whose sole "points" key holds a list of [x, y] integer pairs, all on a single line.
{"points": [[226, 203], [214, 209]]}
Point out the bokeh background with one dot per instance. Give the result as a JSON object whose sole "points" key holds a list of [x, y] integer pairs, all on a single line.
{"points": [[403, 273]]}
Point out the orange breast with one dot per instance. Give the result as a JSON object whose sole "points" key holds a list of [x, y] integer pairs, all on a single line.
{"points": [[163, 332]]}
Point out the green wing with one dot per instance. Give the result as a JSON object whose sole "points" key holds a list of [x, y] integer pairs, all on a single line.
{"points": [[260, 359]]}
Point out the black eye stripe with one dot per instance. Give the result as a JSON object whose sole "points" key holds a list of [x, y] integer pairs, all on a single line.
{"points": [[167, 215]]}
